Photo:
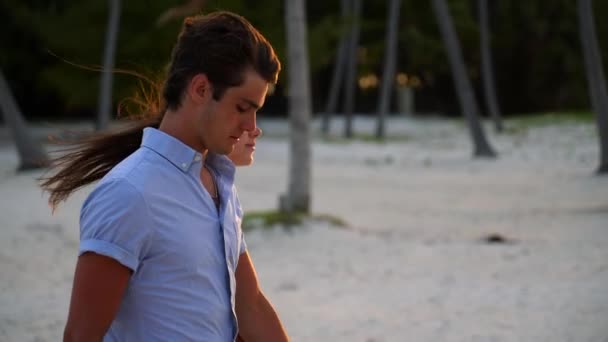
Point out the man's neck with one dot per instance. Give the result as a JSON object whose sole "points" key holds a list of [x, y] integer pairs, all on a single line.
{"points": [[175, 124]]}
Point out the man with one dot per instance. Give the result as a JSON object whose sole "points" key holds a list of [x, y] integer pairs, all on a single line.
{"points": [[162, 257]]}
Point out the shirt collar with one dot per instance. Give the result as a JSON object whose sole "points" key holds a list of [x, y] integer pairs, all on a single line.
{"points": [[222, 164], [184, 156], [175, 151]]}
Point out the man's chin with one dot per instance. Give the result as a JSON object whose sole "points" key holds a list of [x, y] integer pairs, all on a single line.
{"points": [[224, 150]]}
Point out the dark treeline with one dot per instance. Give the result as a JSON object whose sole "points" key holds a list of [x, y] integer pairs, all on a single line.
{"points": [[537, 57]]}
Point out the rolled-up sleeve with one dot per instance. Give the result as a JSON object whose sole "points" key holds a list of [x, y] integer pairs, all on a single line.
{"points": [[115, 222]]}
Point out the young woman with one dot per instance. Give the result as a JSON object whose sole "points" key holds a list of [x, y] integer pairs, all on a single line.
{"points": [[242, 154]]}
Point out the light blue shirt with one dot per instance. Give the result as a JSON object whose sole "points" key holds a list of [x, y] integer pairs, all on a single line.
{"points": [[152, 214]]}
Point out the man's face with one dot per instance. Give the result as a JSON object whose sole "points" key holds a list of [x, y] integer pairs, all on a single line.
{"points": [[223, 122], [242, 154]]}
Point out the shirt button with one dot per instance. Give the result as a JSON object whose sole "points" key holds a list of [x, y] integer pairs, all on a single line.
{"points": [[197, 158], [184, 166]]}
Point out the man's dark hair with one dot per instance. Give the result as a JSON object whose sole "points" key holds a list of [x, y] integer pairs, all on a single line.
{"points": [[220, 45]]}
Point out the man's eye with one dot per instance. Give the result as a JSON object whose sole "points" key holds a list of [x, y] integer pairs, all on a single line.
{"points": [[241, 109]]}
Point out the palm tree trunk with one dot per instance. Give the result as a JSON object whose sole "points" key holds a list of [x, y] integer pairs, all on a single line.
{"points": [[595, 78], [351, 69], [390, 58], [466, 97], [338, 73], [105, 88], [300, 107], [31, 153], [486, 66]]}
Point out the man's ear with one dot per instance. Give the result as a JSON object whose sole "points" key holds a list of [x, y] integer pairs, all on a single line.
{"points": [[200, 89]]}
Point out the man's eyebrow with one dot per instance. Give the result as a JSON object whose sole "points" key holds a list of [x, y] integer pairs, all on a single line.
{"points": [[251, 103]]}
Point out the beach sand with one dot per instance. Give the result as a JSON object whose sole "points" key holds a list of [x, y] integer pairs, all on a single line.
{"points": [[410, 266]]}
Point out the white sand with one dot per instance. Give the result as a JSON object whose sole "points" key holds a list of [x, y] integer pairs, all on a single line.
{"points": [[409, 268]]}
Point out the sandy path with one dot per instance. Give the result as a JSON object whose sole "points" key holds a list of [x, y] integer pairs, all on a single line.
{"points": [[409, 268]]}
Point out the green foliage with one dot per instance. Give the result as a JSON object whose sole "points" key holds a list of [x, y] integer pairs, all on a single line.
{"points": [[323, 40], [524, 122], [535, 44], [23, 57], [540, 64], [77, 35], [366, 138], [273, 218]]}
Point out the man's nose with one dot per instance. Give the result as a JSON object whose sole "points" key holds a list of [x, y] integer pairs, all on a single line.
{"points": [[249, 123]]}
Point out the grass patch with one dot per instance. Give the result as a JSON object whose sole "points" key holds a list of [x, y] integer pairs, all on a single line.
{"points": [[366, 138], [524, 122], [271, 218]]}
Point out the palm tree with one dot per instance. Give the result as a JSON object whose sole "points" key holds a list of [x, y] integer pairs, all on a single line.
{"points": [[31, 153], [487, 72], [338, 72], [466, 97], [300, 107], [390, 58], [595, 77], [105, 88], [351, 69]]}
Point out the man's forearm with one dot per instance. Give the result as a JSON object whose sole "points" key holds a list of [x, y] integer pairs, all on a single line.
{"points": [[260, 322]]}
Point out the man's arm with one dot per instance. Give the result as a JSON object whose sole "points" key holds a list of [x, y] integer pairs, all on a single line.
{"points": [[256, 317], [99, 284]]}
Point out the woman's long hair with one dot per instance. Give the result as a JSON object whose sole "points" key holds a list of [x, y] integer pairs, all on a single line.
{"points": [[221, 45]]}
